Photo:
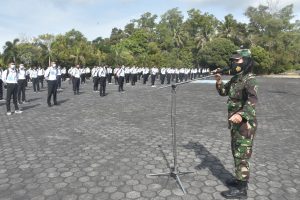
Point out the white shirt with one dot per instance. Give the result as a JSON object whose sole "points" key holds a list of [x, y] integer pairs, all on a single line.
{"points": [[51, 73], [76, 72], [58, 71], [154, 71], [109, 70], [87, 70], [22, 74], [121, 72], [102, 72], [33, 73], [63, 70], [12, 76], [41, 72], [163, 71]]}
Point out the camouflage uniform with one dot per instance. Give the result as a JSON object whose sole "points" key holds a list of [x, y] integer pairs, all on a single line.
{"points": [[242, 98]]}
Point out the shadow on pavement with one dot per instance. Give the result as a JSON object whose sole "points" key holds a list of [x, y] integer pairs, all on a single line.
{"points": [[29, 107], [209, 161]]}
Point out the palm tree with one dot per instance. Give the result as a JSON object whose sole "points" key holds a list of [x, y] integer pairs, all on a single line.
{"points": [[10, 50]]}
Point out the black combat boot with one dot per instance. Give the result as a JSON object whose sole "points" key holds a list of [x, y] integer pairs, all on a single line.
{"points": [[239, 192], [233, 183]]}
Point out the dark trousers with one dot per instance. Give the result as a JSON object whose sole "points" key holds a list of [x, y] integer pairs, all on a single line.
{"points": [[153, 79], [36, 85], [21, 90], [133, 79], [102, 86], [121, 83], [58, 81], [96, 82], [41, 80], [127, 76], [12, 90], [168, 78], [52, 90], [109, 78], [1, 89], [162, 78], [116, 80], [76, 83], [82, 78], [145, 78]]}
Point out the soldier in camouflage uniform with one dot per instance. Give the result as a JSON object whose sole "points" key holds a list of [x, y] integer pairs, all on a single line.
{"points": [[242, 98]]}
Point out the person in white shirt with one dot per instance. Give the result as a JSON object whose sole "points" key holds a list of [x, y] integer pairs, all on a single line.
{"points": [[145, 75], [109, 74], [21, 84], [76, 74], [133, 74], [116, 69], [63, 73], [102, 78], [121, 74], [87, 73], [58, 77], [41, 73], [82, 75], [95, 78], [70, 75], [162, 75], [34, 79], [1, 85], [51, 77], [10, 78], [154, 71], [127, 74]]}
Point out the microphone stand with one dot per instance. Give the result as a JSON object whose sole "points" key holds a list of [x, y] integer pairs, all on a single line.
{"points": [[174, 172]]}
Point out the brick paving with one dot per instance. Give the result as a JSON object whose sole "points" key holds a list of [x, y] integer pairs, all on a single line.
{"points": [[92, 147]]}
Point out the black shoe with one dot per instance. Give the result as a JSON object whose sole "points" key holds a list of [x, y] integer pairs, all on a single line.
{"points": [[239, 192], [49, 105], [56, 104], [233, 183]]}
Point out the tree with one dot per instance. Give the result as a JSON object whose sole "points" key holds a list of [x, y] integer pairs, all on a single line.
{"points": [[262, 58], [10, 51], [216, 53], [45, 41]]}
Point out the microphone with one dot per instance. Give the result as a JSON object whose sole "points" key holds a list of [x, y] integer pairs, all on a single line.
{"points": [[220, 71]]}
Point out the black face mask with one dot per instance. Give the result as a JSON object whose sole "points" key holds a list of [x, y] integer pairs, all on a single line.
{"points": [[236, 68]]}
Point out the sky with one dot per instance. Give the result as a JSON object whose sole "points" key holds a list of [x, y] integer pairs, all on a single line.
{"points": [[96, 18]]}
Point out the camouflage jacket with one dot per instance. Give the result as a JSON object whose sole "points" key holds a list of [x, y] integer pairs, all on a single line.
{"points": [[242, 96]]}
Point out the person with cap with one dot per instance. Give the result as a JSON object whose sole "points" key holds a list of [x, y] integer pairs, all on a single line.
{"points": [[242, 99], [51, 77], [21, 84], [10, 78]]}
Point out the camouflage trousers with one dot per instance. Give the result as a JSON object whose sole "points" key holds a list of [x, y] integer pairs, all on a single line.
{"points": [[242, 136]]}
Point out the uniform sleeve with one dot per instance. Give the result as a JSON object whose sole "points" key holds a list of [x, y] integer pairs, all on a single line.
{"points": [[248, 111], [4, 74], [223, 89]]}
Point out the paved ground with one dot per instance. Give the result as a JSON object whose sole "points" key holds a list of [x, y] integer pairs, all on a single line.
{"points": [[103, 148]]}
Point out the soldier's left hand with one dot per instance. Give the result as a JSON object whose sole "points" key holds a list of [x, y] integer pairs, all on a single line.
{"points": [[236, 118]]}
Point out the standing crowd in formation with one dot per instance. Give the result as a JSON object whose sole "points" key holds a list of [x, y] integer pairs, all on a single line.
{"points": [[15, 79]]}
